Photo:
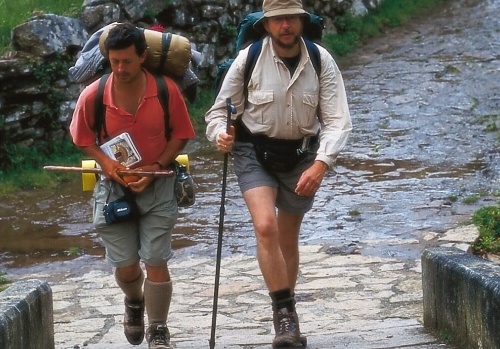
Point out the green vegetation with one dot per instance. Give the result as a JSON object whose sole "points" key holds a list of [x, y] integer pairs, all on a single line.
{"points": [[453, 198], [197, 110], [471, 199], [354, 30], [15, 12], [25, 165], [445, 335], [354, 213], [4, 282], [487, 221], [27, 172]]}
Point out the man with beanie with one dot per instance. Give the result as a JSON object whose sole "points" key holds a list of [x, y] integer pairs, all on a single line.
{"points": [[292, 123], [131, 105]]}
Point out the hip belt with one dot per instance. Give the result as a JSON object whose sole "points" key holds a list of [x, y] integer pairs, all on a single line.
{"points": [[243, 134]]}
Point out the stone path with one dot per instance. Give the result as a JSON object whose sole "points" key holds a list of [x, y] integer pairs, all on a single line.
{"points": [[344, 301]]}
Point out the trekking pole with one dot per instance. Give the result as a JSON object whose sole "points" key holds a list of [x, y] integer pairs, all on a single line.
{"points": [[231, 109]]}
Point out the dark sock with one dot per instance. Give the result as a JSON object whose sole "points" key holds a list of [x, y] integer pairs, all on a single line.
{"points": [[283, 299]]}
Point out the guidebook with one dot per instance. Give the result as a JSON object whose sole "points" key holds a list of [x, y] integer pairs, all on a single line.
{"points": [[122, 149]]}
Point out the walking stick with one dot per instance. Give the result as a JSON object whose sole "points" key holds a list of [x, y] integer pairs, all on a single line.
{"points": [[167, 173], [230, 110]]}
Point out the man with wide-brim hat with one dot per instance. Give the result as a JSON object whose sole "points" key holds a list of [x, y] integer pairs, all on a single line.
{"points": [[274, 8], [293, 120]]}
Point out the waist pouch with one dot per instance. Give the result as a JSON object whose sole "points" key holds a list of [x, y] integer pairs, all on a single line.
{"points": [[120, 210], [276, 155]]}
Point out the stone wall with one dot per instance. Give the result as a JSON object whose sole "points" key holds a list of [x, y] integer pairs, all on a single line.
{"points": [[36, 97], [26, 316], [461, 296]]}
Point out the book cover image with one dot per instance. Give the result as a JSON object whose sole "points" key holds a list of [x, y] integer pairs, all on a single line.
{"points": [[122, 149]]}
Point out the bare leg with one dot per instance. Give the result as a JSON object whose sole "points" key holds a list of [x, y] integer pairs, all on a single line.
{"points": [[289, 229], [260, 202]]}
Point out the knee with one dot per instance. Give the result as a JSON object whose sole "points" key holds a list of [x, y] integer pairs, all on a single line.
{"points": [[129, 273], [266, 229], [158, 273]]}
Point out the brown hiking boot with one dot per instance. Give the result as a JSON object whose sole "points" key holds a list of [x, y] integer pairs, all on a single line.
{"points": [[286, 326], [158, 337], [133, 322]]}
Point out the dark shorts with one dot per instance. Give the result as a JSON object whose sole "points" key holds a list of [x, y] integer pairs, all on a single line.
{"points": [[148, 237], [251, 175]]}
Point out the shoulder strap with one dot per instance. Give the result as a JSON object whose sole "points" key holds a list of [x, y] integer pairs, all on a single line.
{"points": [[313, 51], [163, 97], [253, 54], [100, 115], [99, 111], [166, 39], [315, 56]]}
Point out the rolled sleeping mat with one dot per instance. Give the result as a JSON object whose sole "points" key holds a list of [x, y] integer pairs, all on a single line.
{"points": [[89, 179], [168, 54]]}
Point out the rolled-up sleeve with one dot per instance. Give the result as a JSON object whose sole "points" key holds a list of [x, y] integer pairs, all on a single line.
{"points": [[335, 118]]}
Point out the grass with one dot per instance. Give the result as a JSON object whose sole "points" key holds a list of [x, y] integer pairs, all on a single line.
{"points": [[26, 170], [4, 282], [354, 30], [15, 12]]}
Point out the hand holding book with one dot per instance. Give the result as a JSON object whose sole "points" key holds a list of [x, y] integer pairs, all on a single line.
{"points": [[122, 149]]}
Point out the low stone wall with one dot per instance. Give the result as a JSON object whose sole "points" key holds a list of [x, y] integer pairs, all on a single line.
{"points": [[26, 316], [461, 296]]}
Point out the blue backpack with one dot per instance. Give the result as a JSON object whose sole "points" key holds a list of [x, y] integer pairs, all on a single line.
{"points": [[246, 35]]}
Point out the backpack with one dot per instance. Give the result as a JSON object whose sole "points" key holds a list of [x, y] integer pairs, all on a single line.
{"points": [[246, 35], [168, 54]]}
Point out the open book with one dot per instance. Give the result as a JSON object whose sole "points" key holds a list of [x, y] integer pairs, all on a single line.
{"points": [[122, 149]]}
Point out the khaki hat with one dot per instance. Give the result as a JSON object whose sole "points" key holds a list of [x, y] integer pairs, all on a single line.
{"points": [[273, 8]]}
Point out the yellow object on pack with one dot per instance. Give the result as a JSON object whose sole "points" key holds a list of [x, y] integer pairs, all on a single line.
{"points": [[89, 179], [183, 159]]}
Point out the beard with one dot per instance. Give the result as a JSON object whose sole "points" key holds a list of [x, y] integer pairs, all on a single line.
{"points": [[286, 45]]}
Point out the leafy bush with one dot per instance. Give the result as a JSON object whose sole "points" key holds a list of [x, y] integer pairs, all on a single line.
{"points": [[487, 221]]}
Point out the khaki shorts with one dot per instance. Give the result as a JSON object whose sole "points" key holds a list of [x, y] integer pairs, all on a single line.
{"points": [[251, 175], [148, 237]]}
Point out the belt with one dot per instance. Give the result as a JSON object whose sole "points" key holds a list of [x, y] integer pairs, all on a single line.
{"points": [[243, 134]]}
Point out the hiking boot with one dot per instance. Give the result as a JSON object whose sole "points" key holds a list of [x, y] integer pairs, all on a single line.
{"points": [[158, 337], [303, 340], [133, 322], [286, 327]]}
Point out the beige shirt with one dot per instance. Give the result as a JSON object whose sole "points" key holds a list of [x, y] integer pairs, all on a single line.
{"points": [[284, 106]]}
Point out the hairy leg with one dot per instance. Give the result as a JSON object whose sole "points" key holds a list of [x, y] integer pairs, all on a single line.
{"points": [[260, 202], [289, 229]]}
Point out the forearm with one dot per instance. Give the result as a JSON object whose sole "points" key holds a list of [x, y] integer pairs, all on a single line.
{"points": [[173, 148]]}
